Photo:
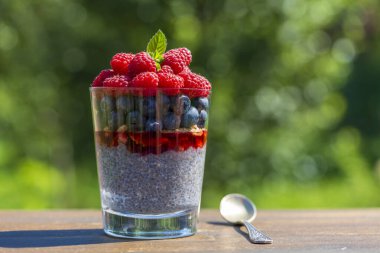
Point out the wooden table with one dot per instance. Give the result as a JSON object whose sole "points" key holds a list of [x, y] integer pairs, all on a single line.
{"points": [[293, 231]]}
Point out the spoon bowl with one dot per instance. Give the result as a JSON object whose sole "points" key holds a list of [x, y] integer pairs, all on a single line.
{"points": [[236, 208], [240, 210]]}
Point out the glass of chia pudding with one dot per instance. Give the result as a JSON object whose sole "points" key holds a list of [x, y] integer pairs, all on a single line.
{"points": [[150, 117]]}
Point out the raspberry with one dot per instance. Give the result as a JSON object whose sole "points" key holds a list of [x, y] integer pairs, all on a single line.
{"points": [[142, 62], [98, 81], [118, 81], [185, 70], [183, 52], [170, 81], [166, 69], [198, 86], [148, 81], [120, 62], [177, 59]]}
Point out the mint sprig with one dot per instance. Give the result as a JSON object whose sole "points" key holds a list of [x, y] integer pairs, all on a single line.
{"points": [[157, 47]]}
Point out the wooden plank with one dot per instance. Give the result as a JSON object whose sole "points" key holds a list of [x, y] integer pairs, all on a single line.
{"points": [[292, 230]]}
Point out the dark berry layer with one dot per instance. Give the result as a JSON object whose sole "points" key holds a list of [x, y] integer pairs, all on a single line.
{"points": [[153, 142]]}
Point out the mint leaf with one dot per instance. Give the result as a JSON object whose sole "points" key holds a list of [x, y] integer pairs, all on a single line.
{"points": [[159, 59], [157, 45]]}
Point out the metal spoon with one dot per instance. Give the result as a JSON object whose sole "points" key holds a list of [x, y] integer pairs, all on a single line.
{"points": [[239, 210]]}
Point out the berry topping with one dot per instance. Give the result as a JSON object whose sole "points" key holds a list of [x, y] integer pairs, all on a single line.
{"points": [[195, 81], [112, 121], [107, 104], [190, 118], [98, 81], [135, 121], [185, 70], [147, 80], [202, 119], [120, 62], [146, 105], [165, 106], [152, 125], [142, 62], [181, 105], [171, 121], [177, 59], [171, 81], [116, 81], [201, 103], [124, 104], [163, 103], [121, 118], [166, 69]]}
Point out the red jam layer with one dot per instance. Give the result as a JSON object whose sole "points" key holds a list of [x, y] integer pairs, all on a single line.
{"points": [[153, 142]]}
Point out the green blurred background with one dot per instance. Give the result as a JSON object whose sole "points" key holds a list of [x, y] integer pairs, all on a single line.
{"points": [[295, 108]]}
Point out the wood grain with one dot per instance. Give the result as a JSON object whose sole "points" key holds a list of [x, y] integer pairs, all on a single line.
{"points": [[292, 231]]}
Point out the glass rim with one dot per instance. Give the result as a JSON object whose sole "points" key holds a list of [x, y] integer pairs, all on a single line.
{"points": [[143, 88]]}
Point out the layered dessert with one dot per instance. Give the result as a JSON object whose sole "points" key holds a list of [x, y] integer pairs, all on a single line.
{"points": [[150, 116]]}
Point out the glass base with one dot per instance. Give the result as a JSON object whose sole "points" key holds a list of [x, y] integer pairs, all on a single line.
{"points": [[146, 226]]}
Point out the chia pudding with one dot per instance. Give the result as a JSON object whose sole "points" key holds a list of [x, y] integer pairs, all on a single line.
{"points": [[150, 184]]}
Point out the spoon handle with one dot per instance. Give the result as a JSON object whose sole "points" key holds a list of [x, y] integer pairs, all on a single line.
{"points": [[255, 235]]}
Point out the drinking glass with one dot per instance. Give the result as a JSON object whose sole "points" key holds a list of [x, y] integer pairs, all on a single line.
{"points": [[150, 150]]}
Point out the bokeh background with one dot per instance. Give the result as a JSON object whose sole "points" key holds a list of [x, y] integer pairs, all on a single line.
{"points": [[295, 110]]}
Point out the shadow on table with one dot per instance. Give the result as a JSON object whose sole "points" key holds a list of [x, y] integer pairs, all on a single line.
{"points": [[238, 228], [53, 238]]}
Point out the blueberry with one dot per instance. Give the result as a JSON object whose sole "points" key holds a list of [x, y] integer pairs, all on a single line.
{"points": [[190, 118], [201, 103], [163, 102], [120, 118], [124, 103], [146, 105], [107, 104], [202, 119], [135, 120], [137, 102], [171, 121], [113, 121], [152, 125], [181, 105]]}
